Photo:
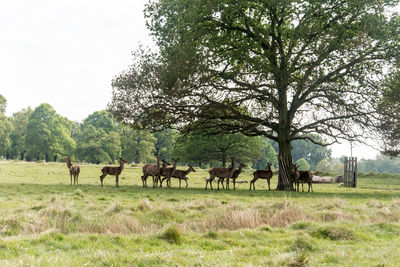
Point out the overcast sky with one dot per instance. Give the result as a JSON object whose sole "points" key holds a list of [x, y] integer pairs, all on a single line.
{"points": [[66, 53]]}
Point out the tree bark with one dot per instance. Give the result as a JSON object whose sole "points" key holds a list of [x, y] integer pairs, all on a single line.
{"points": [[285, 161]]}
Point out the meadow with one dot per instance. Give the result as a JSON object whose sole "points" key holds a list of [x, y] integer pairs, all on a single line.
{"points": [[45, 221]]}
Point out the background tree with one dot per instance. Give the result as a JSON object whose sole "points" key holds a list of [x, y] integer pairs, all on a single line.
{"points": [[48, 135], [299, 67], [302, 164], [324, 166], [19, 121], [3, 104], [5, 141], [98, 139], [165, 142], [137, 146], [200, 147], [268, 153], [390, 111]]}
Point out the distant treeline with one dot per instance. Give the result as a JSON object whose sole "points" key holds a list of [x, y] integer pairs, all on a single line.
{"points": [[42, 134]]}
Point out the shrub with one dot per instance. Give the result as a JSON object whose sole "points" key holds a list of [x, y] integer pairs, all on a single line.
{"points": [[334, 233], [302, 164], [172, 235]]}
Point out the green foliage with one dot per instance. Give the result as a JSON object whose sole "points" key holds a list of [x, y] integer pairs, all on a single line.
{"points": [[381, 164], [3, 104], [172, 235], [302, 165], [165, 142], [48, 135], [99, 139], [202, 148], [324, 166], [309, 151], [5, 129], [269, 155], [137, 145], [19, 120]]}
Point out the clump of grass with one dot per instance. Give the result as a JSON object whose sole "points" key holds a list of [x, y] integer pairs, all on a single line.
{"points": [[265, 228], [144, 205], [212, 234], [293, 259], [237, 219], [172, 235], [286, 213], [10, 227], [302, 244], [165, 213], [334, 233], [79, 193], [114, 208], [301, 225]]}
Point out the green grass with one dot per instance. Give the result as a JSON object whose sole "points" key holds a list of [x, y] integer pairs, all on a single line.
{"points": [[44, 221]]}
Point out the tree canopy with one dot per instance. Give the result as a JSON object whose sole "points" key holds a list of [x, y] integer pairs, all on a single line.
{"points": [[281, 69]]}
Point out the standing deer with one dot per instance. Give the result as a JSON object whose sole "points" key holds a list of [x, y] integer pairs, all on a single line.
{"points": [[181, 175], [74, 170], [168, 172], [262, 174], [220, 173], [295, 175], [235, 175], [153, 170], [112, 170], [306, 176]]}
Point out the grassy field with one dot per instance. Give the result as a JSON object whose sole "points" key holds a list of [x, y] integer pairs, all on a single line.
{"points": [[44, 221]]}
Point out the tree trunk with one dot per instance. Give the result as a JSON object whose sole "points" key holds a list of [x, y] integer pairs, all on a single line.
{"points": [[285, 161], [224, 161]]}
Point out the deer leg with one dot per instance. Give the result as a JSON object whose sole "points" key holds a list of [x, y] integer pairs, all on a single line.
{"points": [[186, 183], [179, 182], [116, 181], [234, 184], [101, 178], [302, 185], [227, 184], [269, 187], [71, 177]]}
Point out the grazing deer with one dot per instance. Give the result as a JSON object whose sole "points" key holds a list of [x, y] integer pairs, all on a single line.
{"points": [[181, 175], [220, 173], [112, 170], [306, 176], [151, 169], [74, 170], [262, 174], [168, 172]]}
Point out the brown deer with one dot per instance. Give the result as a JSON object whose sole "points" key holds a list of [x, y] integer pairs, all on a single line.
{"points": [[74, 170], [112, 170], [305, 176], [262, 174], [220, 173], [295, 176], [181, 175], [151, 169], [235, 175], [168, 172]]}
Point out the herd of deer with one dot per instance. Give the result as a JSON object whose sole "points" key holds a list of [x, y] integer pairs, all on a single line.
{"points": [[157, 172]]}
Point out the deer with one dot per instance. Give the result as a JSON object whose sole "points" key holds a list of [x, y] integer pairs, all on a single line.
{"points": [[113, 170], [153, 170], [74, 170], [295, 176], [220, 173], [181, 175], [167, 172], [305, 176], [235, 175], [262, 174]]}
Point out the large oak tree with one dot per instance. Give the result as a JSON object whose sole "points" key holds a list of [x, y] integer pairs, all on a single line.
{"points": [[282, 69]]}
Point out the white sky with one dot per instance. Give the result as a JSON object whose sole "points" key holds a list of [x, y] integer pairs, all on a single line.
{"points": [[66, 53]]}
